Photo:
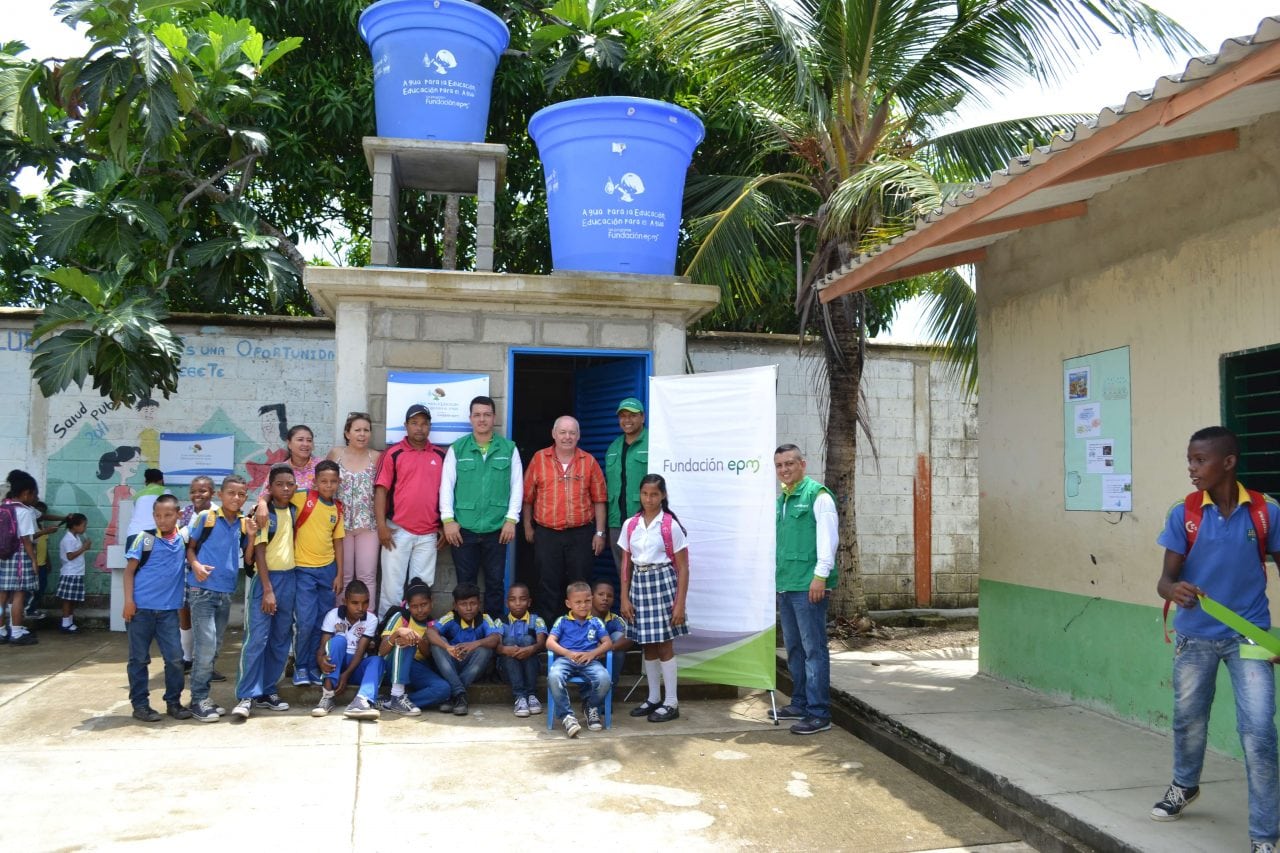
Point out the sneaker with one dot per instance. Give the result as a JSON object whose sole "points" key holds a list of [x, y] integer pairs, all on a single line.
{"points": [[1262, 847], [445, 707], [522, 707], [217, 676], [146, 714], [222, 712], [178, 711], [26, 639], [1175, 800], [317, 677], [205, 711], [242, 709], [594, 723], [37, 615], [787, 712], [810, 726], [271, 702], [324, 706], [361, 709], [73, 628], [400, 705], [460, 708], [571, 726], [535, 707], [301, 678]]}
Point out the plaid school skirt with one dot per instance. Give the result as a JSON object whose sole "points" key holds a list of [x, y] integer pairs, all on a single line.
{"points": [[17, 573], [71, 588], [653, 594]]}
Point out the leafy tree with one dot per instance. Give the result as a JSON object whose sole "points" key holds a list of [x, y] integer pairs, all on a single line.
{"points": [[848, 105]]}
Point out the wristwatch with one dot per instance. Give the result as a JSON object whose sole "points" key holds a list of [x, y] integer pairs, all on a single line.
{"points": [[599, 532]]}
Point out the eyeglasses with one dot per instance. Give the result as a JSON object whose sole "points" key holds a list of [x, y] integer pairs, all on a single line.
{"points": [[351, 416]]}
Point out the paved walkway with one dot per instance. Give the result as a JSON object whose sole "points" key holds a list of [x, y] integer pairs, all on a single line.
{"points": [[1091, 774], [81, 774]]}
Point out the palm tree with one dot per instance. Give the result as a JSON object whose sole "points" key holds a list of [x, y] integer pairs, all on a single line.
{"points": [[849, 102]]}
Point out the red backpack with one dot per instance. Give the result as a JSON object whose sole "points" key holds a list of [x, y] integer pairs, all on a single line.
{"points": [[666, 534], [1193, 513], [309, 506], [10, 541]]}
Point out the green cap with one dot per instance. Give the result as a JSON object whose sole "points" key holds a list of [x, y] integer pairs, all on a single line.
{"points": [[631, 404]]}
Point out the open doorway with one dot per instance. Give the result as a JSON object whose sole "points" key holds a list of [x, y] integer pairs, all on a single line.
{"points": [[586, 383]]}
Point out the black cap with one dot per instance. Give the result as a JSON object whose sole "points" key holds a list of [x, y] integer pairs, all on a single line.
{"points": [[417, 409]]}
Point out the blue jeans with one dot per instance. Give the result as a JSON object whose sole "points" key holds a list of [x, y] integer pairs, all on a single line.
{"points": [[161, 626], [209, 612], [482, 552], [461, 674], [1195, 672], [804, 633], [368, 673], [423, 685], [312, 600], [522, 675], [598, 681], [266, 637]]}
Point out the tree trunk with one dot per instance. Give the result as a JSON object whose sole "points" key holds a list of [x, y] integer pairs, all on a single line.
{"points": [[844, 347]]}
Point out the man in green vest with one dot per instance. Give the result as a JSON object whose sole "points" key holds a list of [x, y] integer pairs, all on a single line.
{"points": [[808, 532], [625, 464], [480, 493]]}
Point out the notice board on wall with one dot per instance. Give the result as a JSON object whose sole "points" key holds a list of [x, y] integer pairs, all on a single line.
{"points": [[1098, 455]]}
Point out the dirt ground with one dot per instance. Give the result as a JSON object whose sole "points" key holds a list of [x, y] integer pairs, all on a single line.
{"points": [[904, 639]]}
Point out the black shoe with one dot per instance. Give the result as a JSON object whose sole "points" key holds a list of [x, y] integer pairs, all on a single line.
{"points": [[787, 712], [27, 639], [445, 707], [460, 708], [217, 676], [178, 712], [810, 726], [665, 714], [1175, 800], [147, 714], [645, 709]]}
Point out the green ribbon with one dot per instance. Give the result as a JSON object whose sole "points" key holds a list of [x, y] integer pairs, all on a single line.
{"points": [[1267, 644]]}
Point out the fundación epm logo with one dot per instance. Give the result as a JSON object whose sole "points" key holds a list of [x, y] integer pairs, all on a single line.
{"points": [[442, 61]]}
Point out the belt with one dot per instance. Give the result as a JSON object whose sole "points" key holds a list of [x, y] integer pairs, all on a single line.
{"points": [[648, 567]]}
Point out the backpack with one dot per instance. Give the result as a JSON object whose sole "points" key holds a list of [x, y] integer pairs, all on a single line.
{"points": [[148, 542], [666, 533], [1193, 512], [273, 526], [10, 541], [206, 530], [309, 506]]}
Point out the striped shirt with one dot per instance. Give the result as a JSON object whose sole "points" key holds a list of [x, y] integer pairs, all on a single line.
{"points": [[564, 498]]}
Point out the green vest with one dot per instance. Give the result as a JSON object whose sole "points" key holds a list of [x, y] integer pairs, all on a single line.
{"points": [[797, 545], [637, 467], [482, 492]]}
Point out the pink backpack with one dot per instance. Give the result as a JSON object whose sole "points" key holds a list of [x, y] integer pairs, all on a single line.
{"points": [[666, 534]]}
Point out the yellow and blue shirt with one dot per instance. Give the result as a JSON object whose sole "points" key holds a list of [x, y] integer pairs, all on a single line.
{"points": [[400, 619], [578, 636], [456, 630], [513, 629], [318, 534], [280, 553], [158, 584]]}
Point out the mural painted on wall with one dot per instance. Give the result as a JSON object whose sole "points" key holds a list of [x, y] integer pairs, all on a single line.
{"points": [[251, 388]]}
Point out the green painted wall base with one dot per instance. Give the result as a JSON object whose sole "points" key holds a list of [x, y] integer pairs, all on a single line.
{"points": [[1098, 652]]}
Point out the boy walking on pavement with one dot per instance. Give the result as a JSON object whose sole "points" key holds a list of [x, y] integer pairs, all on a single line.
{"points": [[1216, 541]]}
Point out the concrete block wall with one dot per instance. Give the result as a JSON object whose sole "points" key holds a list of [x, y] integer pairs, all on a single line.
{"points": [[913, 409]]}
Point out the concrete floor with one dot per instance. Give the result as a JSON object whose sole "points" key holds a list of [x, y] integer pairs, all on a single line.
{"points": [[84, 775]]}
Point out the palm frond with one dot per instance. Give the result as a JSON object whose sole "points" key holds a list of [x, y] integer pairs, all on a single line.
{"points": [[951, 325], [880, 201], [975, 153]]}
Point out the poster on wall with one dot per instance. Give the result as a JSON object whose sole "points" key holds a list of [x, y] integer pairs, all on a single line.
{"points": [[446, 395], [1098, 456], [187, 455], [720, 482]]}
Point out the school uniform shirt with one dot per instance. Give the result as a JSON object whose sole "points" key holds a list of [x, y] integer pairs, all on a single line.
{"points": [[223, 549], [336, 622], [26, 516], [455, 630], [318, 534], [512, 628], [72, 567], [280, 554], [401, 619], [578, 636], [42, 549], [645, 543], [613, 623], [159, 584], [188, 513]]}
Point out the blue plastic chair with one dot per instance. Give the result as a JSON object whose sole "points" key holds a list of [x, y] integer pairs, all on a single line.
{"points": [[552, 716]]}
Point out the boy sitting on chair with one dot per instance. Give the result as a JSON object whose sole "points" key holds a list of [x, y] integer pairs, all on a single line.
{"points": [[579, 641]]}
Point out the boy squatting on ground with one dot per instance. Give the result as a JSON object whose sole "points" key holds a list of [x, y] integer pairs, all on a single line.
{"points": [[1222, 558], [347, 635], [579, 641], [217, 540], [462, 644], [523, 638], [153, 585]]}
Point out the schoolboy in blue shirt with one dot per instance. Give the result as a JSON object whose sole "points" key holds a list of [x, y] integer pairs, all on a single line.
{"points": [[218, 539], [153, 587], [579, 640], [523, 638], [1225, 562], [462, 645], [602, 608]]}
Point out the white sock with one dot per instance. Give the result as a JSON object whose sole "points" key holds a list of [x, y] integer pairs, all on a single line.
{"points": [[653, 675], [326, 693], [188, 637], [66, 621], [16, 631], [397, 690], [669, 682]]}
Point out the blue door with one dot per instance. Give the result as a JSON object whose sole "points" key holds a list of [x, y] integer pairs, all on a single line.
{"points": [[597, 392]]}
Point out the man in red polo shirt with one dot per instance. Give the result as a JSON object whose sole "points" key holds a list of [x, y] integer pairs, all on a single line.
{"points": [[564, 515], [406, 506]]}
